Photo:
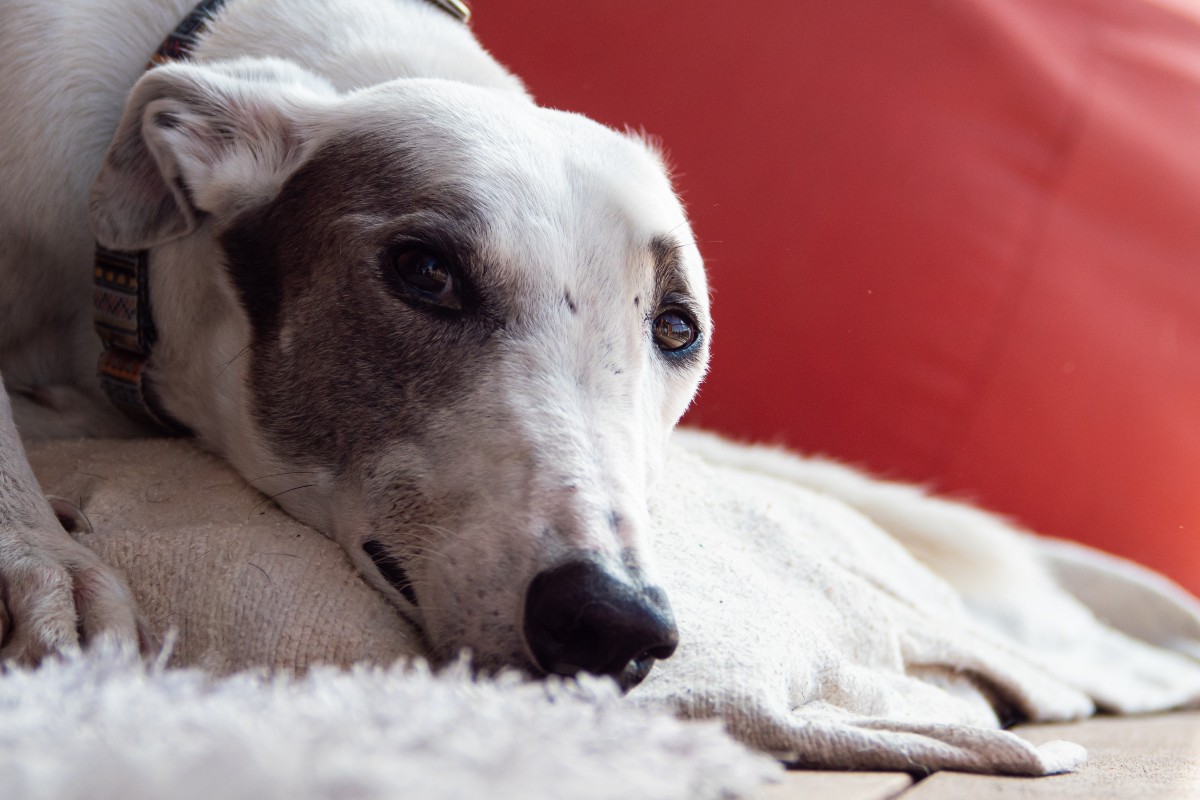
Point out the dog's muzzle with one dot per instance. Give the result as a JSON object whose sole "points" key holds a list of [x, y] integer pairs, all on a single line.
{"points": [[579, 617]]}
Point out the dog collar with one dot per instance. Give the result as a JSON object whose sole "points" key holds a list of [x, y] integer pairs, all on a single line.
{"points": [[121, 284]]}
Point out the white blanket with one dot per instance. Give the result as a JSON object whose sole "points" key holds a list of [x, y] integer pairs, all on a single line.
{"points": [[809, 630]]}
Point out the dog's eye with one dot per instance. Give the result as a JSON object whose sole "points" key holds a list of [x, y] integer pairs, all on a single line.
{"points": [[426, 274], [674, 330]]}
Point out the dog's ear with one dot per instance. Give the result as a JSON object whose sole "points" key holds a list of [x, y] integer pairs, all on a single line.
{"points": [[197, 140]]}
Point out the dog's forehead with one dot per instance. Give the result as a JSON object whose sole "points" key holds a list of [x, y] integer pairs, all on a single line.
{"points": [[493, 130], [534, 184]]}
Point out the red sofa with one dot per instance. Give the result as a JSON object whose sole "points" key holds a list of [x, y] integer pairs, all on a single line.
{"points": [[953, 241]]}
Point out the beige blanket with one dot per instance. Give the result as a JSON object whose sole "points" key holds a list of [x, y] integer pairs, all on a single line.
{"points": [[809, 630]]}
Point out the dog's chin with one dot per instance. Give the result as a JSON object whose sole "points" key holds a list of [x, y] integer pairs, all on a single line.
{"points": [[491, 665], [633, 674]]}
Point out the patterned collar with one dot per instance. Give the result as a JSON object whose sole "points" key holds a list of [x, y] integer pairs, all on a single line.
{"points": [[120, 293]]}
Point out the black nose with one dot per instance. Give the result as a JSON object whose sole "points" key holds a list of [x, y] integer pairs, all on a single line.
{"points": [[579, 616]]}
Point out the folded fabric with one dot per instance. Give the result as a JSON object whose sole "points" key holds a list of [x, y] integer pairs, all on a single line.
{"points": [[812, 632], [815, 634]]}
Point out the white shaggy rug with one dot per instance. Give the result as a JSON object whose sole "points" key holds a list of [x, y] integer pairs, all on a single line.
{"points": [[105, 728]]}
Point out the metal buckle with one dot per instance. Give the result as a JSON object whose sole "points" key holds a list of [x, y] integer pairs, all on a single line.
{"points": [[456, 8]]}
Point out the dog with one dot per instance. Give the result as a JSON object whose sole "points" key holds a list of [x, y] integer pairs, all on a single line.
{"points": [[449, 328]]}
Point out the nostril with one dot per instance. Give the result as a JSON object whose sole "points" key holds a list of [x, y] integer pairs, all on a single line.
{"points": [[580, 617], [665, 645], [390, 568]]}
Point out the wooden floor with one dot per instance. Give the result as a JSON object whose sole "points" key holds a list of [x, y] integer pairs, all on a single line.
{"points": [[1135, 757]]}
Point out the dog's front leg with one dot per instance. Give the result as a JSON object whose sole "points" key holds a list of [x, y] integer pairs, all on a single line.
{"points": [[55, 594]]}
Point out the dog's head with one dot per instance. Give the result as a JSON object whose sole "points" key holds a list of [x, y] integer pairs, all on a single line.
{"points": [[449, 328]]}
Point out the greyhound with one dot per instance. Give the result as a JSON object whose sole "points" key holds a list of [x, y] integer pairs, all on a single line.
{"points": [[449, 328]]}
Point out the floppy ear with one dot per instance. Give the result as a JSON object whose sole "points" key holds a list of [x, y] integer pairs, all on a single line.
{"points": [[197, 140]]}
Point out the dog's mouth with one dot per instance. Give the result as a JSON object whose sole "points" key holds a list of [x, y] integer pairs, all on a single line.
{"points": [[391, 569], [627, 678], [636, 671]]}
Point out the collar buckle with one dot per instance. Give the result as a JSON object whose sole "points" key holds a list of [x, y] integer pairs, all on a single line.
{"points": [[455, 8]]}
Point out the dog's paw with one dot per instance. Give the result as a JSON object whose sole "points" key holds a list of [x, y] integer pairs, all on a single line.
{"points": [[57, 596]]}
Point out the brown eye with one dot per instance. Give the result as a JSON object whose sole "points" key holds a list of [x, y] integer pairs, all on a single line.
{"points": [[674, 331], [426, 274]]}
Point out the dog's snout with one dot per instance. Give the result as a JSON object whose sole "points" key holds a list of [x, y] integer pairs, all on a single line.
{"points": [[581, 617]]}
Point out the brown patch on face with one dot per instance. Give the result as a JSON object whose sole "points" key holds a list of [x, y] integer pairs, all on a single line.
{"points": [[342, 364]]}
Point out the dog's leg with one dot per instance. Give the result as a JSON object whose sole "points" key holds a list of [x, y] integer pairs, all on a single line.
{"points": [[55, 594]]}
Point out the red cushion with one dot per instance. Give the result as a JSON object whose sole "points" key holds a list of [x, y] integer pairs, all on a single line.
{"points": [[954, 241]]}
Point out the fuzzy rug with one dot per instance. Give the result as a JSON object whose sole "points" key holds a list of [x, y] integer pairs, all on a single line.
{"points": [[104, 727]]}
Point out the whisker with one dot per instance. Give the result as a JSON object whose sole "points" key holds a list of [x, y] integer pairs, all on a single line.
{"points": [[280, 474], [277, 494], [428, 555], [431, 527], [694, 243], [677, 227], [240, 353]]}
